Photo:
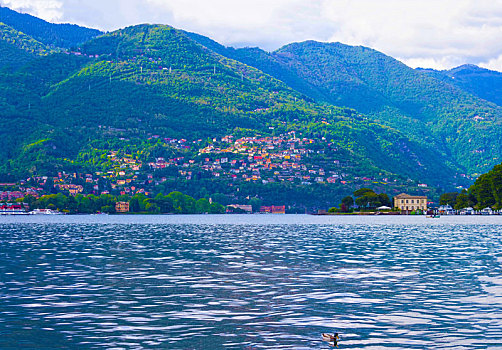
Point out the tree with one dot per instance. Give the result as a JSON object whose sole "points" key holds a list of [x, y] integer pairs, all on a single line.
{"points": [[368, 200], [134, 205], [220, 198], [482, 190], [255, 203], [29, 199], [217, 208], [108, 209], [49, 185], [152, 208], [348, 202], [72, 205], [462, 200], [449, 198], [362, 191], [202, 206]]}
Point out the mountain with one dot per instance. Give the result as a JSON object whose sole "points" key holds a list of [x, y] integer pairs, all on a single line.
{"points": [[463, 128], [17, 48], [122, 88], [55, 35], [484, 83], [299, 115]]}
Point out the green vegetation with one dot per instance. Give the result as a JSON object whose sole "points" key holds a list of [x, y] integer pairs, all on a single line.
{"points": [[449, 198], [173, 203], [156, 80], [130, 90], [485, 192], [365, 199], [463, 130], [55, 35], [481, 82]]}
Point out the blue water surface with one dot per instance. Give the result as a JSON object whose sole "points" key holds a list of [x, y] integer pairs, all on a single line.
{"points": [[250, 282]]}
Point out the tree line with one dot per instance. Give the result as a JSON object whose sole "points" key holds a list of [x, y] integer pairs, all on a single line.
{"points": [[172, 203], [485, 192], [365, 199]]}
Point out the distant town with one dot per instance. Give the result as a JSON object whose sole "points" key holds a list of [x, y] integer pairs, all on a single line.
{"points": [[283, 158]]}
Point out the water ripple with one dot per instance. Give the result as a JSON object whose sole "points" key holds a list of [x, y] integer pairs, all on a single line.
{"points": [[276, 286]]}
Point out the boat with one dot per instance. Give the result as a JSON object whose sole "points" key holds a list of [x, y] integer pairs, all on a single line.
{"points": [[435, 216], [12, 210], [45, 212]]}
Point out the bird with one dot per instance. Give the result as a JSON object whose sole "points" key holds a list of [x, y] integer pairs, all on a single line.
{"points": [[331, 338]]}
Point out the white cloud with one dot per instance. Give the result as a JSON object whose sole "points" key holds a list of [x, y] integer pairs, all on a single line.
{"points": [[430, 33], [493, 64], [264, 23], [50, 10]]}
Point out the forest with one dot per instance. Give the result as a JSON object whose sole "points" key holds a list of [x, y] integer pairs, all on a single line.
{"points": [[485, 192], [172, 203]]}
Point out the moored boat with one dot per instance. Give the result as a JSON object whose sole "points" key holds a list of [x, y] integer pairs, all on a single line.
{"points": [[12, 210], [45, 212]]}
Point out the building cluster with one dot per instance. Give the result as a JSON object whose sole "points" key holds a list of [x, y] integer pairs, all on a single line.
{"points": [[449, 210], [262, 159], [288, 157], [247, 208], [407, 204], [21, 190]]}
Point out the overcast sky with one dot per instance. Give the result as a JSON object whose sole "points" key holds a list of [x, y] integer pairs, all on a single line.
{"points": [[422, 33]]}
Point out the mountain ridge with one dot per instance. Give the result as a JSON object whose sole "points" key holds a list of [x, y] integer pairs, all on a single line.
{"points": [[381, 118], [62, 35], [482, 82]]}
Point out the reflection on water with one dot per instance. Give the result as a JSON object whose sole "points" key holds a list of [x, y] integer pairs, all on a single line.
{"points": [[248, 286]]}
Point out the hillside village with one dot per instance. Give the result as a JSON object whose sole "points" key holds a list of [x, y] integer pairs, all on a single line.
{"points": [[263, 159], [285, 158]]}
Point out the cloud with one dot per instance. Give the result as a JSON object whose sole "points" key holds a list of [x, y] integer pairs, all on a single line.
{"points": [[264, 23], [493, 64], [429, 33], [438, 34], [50, 10]]}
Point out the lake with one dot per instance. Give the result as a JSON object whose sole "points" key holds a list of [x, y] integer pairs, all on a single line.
{"points": [[250, 282]]}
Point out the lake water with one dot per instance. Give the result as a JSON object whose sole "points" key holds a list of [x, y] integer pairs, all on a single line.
{"points": [[250, 282]]}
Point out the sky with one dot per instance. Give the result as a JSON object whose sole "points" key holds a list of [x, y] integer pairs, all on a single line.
{"points": [[439, 34]]}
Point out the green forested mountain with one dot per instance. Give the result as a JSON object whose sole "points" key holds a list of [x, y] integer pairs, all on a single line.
{"points": [[155, 79], [17, 49], [484, 83], [463, 128], [127, 90], [55, 35]]}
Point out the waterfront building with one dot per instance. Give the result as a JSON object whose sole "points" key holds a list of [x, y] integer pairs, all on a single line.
{"points": [[245, 207], [446, 210], [273, 209], [487, 211], [122, 207], [407, 203], [468, 211]]}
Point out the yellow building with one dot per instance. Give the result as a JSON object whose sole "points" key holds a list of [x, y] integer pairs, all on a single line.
{"points": [[122, 207], [405, 202]]}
